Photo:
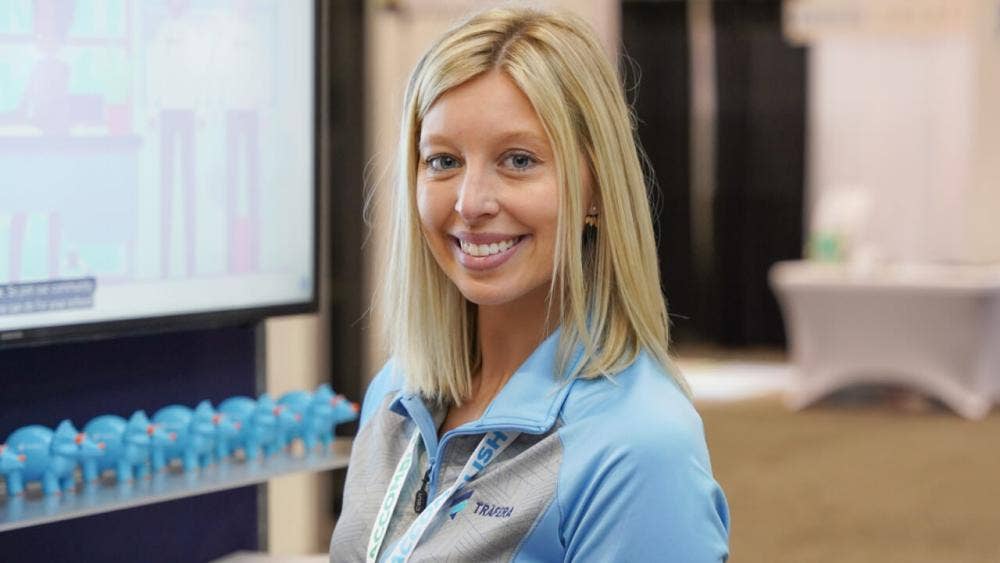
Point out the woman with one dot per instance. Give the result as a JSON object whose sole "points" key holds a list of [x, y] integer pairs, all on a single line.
{"points": [[530, 411]]}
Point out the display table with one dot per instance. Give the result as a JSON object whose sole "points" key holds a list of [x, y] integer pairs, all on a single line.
{"points": [[935, 329], [34, 509]]}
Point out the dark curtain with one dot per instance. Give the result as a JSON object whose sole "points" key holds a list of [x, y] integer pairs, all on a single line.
{"points": [[655, 66], [759, 171], [342, 124], [760, 167]]}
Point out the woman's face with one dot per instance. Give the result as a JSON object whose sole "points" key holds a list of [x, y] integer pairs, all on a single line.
{"points": [[487, 191]]}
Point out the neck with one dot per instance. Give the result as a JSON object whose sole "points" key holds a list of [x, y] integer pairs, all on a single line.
{"points": [[507, 334]]}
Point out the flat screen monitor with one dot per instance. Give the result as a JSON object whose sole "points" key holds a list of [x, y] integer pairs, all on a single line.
{"points": [[157, 164]]}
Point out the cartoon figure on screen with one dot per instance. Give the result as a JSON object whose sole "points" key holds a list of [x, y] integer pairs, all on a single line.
{"points": [[243, 79], [176, 81], [64, 89], [46, 102], [49, 457], [34, 246]]}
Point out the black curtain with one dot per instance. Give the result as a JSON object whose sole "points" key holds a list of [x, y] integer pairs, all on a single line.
{"points": [[655, 67], [759, 163], [760, 166], [343, 121]]}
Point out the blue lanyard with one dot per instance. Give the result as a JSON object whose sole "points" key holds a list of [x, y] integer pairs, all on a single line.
{"points": [[488, 449]]}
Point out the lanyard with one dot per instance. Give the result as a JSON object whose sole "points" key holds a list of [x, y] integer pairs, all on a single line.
{"points": [[488, 449]]}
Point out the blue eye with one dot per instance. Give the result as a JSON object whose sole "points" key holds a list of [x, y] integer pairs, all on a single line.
{"points": [[442, 162], [521, 161]]}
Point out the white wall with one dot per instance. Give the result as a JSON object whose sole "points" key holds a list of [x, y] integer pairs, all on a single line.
{"points": [[909, 116], [892, 117]]}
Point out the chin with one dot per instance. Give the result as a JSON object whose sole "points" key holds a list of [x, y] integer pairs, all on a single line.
{"points": [[486, 297], [491, 295]]}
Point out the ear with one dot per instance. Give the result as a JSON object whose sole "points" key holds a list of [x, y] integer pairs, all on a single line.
{"points": [[65, 429], [139, 417], [324, 392], [205, 408]]}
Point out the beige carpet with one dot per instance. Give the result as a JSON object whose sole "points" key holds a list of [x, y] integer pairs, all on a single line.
{"points": [[856, 484]]}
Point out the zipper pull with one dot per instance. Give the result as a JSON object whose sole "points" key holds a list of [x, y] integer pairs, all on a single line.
{"points": [[420, 502]]}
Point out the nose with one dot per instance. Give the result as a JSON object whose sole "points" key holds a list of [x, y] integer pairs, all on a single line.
{"points": [[477, 197]]}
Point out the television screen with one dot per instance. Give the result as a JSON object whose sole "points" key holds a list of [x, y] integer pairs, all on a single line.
{"points": [[156, 160]]}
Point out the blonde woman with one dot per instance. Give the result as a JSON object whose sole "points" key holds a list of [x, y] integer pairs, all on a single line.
{"points": [[530, 411]]}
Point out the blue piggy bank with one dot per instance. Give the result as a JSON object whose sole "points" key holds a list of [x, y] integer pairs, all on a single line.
{"points": [[9, 461], [226, 431], [317, 414], [192, 434], [341, 411], [262, 424], [298, 404], [344, 411], [47, 456], [128, 446]]}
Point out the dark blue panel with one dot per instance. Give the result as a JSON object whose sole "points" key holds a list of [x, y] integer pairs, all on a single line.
{"points": [[81, 380], [197, 529]]}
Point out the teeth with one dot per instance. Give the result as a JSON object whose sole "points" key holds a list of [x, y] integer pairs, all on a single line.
{"points": [[487, 249]]}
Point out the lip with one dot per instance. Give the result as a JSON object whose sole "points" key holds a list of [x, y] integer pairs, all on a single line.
{"points": [[483, 263], [484, 238]]}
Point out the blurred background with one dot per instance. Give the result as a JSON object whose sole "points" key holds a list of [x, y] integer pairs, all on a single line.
{"points": [[824, 175]]}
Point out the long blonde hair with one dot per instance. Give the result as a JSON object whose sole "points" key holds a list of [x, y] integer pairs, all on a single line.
{"points": [[610, 302]]}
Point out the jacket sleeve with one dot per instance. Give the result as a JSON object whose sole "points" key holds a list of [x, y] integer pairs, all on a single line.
{"points": [[649, 497]]}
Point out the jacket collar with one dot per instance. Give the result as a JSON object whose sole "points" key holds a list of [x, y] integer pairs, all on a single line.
{"points": [[529, 402]]}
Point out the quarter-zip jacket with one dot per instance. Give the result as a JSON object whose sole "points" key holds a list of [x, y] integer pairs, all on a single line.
{"points": [[606, 469]]}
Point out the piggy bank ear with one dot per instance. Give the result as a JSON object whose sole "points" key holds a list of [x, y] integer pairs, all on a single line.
{"points": [[138, 421], [323, 393], [204, 408], [265, 401], [66, 429]]}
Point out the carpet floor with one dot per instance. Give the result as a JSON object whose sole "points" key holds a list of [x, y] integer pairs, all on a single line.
{"points": [[861, 484]]}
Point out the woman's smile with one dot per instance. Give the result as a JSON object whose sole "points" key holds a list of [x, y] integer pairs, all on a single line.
{"points": [[486, 251]]}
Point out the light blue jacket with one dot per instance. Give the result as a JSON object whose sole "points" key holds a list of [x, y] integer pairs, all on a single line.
{"points": [[603, 470]]}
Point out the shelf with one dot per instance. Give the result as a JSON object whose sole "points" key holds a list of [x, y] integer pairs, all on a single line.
{"points": [[35, 509]]}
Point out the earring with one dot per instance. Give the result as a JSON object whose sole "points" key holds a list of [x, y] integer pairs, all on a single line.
{"points": [[591, 218]]}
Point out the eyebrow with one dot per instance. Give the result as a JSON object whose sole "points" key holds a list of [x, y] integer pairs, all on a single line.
{"points": [[515, 136]]}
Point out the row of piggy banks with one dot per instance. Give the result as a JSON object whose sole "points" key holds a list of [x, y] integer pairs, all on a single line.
{"points": [[135, 447]]}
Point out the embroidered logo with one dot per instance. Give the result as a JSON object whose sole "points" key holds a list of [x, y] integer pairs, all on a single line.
{"points": [[494, 511], [459, 501]]}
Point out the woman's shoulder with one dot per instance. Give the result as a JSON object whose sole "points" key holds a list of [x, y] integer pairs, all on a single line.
{"points": [[641, 408], [634, 452], [387, 382]]}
